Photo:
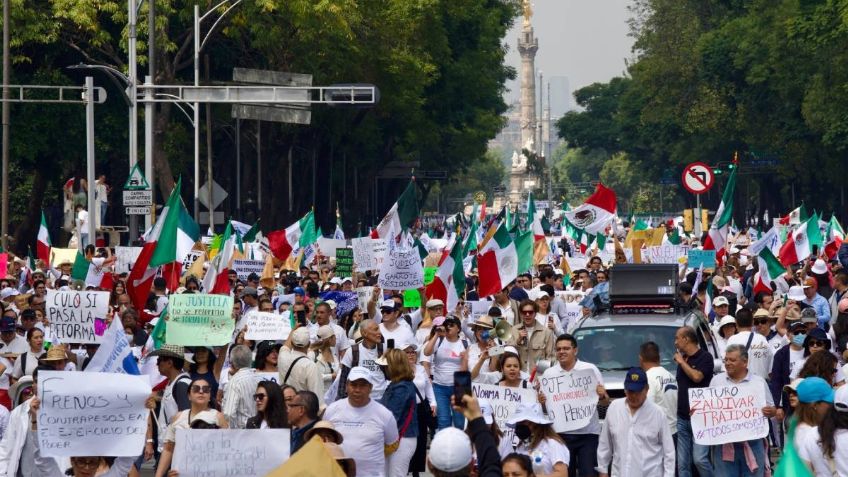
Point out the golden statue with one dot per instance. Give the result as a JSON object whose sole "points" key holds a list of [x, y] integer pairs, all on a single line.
{"points": [[528, 11]]}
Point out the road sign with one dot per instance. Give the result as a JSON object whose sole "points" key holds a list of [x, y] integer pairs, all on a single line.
{"points": [[218, 195], [136, 180], [137, 210], [698, 178], [138, 197]]}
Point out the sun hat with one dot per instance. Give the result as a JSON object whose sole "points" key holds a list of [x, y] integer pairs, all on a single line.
{"points": [[819, 267], [325, 332], [484, 321], [450, 450], [327, 426], [762, 313], [300, 337], [55, 353], [727, 320], [814, 389], [171, 351], [796, 293], [347, 464], [529, 412]]}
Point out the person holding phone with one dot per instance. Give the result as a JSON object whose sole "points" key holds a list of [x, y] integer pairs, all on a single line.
{"points": [[447, 350]]}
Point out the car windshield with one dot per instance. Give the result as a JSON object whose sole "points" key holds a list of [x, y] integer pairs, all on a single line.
{"points": [[617, 347]]}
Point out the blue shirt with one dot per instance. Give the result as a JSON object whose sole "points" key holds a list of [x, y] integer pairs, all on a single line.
{"points": [[822, 308]]}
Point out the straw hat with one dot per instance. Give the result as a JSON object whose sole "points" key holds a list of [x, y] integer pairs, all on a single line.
{"points": [[55, 353], [327, 426]]}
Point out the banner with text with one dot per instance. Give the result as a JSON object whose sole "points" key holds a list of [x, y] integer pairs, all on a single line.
{"points": [[666, 253], [571, 398], [91, 414], [697, 258], [504, 402], [199, 320], [726, 414], [344, 262], [227, 452], [78, 316], [266, 326], [244, 268], [402, 269], [368, 253]]}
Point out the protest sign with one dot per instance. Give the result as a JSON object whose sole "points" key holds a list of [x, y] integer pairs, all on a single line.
{"points": [[266, 376], [344, 262], [724, 414], [572, 299], [478, 308], [125, 258], [571, 398], [412, 298], [430, 274], [190, 258], [401, 269], [227, 452], [245, 267], [707, 258], [263, 326], [62, 255], [328, 246], [363, 296], [504, 402], [91, 414], [199, 320], [77, 316], [576, 263], [665, 253], [368, 253]]}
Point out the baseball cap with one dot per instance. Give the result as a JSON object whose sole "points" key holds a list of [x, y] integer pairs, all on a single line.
{"points": [[796, 293], [7, 323], [815, 389], [720, 301], [811, 282], [635, 380], [435, 302], [336, 281], [486, 410], [298, 291], [331, 304], [450, 450], [359, 372], [325, 331], [793, 386], [840, 399], [808, 315], [249, 291], [390, 304], [8, 292], [300, 337], [528, 412]]}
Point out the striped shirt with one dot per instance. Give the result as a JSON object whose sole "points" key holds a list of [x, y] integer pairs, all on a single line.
{"points": [[238, 405]]}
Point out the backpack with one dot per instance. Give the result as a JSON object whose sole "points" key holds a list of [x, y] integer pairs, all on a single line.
{"points": [[354, 361], [439, 343]]}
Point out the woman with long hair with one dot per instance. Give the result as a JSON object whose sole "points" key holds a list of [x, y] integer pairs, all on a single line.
{"points": [[817, 342], [203, 367], [822, 365], [200, 397], [815, 398], [548, 454], [508, 372], [270, 408], [426, 407], [27, 362], [830, 450], [322, 352], [447, 350], [400, 398], [118, 289], [267, 355]]}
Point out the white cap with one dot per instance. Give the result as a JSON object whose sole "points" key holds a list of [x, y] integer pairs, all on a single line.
{"points": [[336, 281], [388, 304], [450, 450], [528, 412], [487, 411], [300, 337], [359, 372], [727, 320], [819, 267], [796, 293], [435, 302], [8, 292], [840, 399], [325, 332], [331, 304], [720, 301], [347, 279]]}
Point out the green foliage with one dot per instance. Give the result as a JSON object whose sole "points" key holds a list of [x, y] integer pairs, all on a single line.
{"points": [[483, 175]]}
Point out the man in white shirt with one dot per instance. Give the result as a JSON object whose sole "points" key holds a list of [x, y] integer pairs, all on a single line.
{"points": [[760, 352], [365, 354], [367, 426], [635, 438], [238, 405], [10, 342], [393, 328], [582, 443], [662, 386]]}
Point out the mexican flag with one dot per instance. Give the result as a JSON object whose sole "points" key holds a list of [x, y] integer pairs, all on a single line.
{"points": [[215, 281], [297, 235], [449, 282], [717, 235], [834, 238], [93, 273], [401, 215], [540, 245], [797, 216], [770, 268], [179, 234], [596, 213], [497, 263], [799, 244], [524, 250], [43, 245]]}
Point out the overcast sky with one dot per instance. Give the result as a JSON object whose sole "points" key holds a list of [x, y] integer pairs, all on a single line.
{"points": [[585, 40]]}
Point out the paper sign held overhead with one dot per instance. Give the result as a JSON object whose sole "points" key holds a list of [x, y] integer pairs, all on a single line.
{"points": [[199, 320], [78, 316], [266, 326], [697, 258]]}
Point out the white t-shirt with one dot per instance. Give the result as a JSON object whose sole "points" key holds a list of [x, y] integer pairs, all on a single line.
{"points": [[366, 431], [401, 334], [446, 360], [4, 376], [547, 454], [760, 354], [795, 355], [804, 434], [812, 452], [367, 359], [18, 345], [662, 391]]}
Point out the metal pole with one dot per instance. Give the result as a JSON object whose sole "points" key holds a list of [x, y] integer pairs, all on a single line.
{"points": [[291, 192], [258, 167], [698, 224], [149, 109], [148, 143], [209, 156], [89, 146], [238, 168], [6, 66], [131, 74], [197, 116]]}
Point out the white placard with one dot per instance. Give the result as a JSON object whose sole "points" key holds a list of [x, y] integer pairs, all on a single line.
{"points": [[228, 452], [726, 414], [363, 296], [92, 414], [368, 253], [665, 253], [245, 267], [571, 398], [478, 308], [266, 326], [78, 316], [328, 246], [576, 263], [402, 269], [504, 402], [125, 258]]}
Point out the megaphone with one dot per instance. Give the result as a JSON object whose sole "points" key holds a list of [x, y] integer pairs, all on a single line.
{"points": [[503, 330]]}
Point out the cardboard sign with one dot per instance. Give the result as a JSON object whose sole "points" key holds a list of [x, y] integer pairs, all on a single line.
{"points": [[126, 258], [199, 320], [726, 414], [572, 399], [227, 452], [245, 267], [344, 262], [91, 413], [401, 269], [697, 258], [77, 316], [263, 326], [412, 298], [504, 402], [665, 253], [368, 253], [363, 296], [429, 274]]}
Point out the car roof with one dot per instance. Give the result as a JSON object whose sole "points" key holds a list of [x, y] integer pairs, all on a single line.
{"points": [[605, 320]]}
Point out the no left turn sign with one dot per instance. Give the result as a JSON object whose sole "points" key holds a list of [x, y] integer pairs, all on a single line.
{"points": [[698, 178]]}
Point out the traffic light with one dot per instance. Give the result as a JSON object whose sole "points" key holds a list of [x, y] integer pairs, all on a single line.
{"points": [[731, 166], [717, 171]]}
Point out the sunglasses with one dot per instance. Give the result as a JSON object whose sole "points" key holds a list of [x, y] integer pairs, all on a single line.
{"points": [[201, 389], [761, 321], [259, 397], [527, 312], [817, 343]]}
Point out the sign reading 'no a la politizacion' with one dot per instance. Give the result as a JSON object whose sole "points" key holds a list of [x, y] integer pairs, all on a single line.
{"points": [[199, 320]]}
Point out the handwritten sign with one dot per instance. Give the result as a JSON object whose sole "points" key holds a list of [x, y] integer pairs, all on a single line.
{"points": [[363, 296], [87, 414], [78, 316], [125, 258], [190, 258], [504, 402], [368, 253], [226, 452], [244, 268], [266, 326], [412, 298], [666, 253], [430, 274], [199, 320], [572, 399], [402, 268], [344, 262], [707, 258], [478, 308], [726, 414]]}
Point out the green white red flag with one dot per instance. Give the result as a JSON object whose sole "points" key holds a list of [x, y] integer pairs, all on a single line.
{"points": [[717, 235], [497, 263]]}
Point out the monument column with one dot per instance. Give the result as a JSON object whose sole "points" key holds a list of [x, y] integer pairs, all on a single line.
{"points": [[527, 47]]}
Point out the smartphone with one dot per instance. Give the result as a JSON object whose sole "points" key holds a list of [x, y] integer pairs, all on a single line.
{"points": [[301, 317], [461, 386], [390, 343]]}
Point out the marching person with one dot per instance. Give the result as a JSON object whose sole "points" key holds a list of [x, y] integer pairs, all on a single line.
{"points": [[547, 451], [447, 349], [694, 370], [238, 404], [533, 340], [400, 399]]}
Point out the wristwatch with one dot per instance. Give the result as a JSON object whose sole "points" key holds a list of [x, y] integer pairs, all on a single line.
{"points": [[149, 441]]}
